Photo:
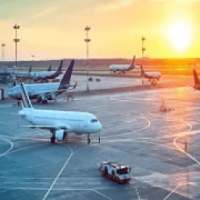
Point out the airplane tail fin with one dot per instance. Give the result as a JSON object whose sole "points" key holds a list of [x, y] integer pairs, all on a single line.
{"points": [[196, 78], [26, 103], [59, 70], [65, 82], [30, 69], [50, 68], [132, 65]]}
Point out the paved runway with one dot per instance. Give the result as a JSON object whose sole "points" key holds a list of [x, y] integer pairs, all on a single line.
{"points": [[162, 148]]}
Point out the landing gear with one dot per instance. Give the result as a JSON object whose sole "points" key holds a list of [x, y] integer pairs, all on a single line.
{"points": [[41, 100], [99, 139], [154, 82], [53, 139], [44, 101], [38, 100], [88, 139], [65, 136]]}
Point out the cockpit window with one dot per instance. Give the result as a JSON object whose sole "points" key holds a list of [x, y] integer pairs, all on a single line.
{"points": [[94, 120]]}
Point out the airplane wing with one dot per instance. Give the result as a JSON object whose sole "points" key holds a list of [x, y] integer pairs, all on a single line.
{"points": [[49, 127]]}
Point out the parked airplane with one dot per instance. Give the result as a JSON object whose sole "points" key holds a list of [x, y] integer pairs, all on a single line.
{"points": [[30, 75], [43, 92], [196, 80], [59, 123], [152, 77], [123, 67], [40, 75]]}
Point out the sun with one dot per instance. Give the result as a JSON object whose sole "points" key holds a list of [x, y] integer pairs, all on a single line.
{"points": [[180, 35]]}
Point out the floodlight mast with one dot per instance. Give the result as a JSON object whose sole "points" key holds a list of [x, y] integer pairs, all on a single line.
{"points": [[87, 41], [16, 40], [3, 45]]}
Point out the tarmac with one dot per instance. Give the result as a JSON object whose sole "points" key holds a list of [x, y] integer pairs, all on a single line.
{"points": [[162, 149]]}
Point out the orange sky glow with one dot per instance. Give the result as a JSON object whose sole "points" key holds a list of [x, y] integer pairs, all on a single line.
{"points": [[55, 29]]}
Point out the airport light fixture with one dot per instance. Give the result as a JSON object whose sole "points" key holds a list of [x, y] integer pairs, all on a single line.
{"points": [[16, 27], [87, 41], [32, 57], [143, 48], [3, 45]]}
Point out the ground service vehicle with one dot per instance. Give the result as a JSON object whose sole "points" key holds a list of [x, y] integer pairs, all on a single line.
{"points": [[116, 172]]}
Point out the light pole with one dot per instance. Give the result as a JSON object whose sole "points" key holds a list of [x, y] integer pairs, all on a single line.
{"points": [[16, 27], [87, 41], [143, 48], [3, 45]]}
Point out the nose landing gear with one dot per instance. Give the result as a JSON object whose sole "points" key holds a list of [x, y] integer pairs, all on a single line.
{"points": [[88, 139], [53, 139]]}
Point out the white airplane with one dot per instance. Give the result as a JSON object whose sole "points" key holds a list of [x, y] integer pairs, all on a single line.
{"points": [[14, 74], [152, 77], [43, 92], [59, 123], [123, 67]]}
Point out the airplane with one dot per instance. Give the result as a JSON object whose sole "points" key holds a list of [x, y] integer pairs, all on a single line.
{"points": [[59, 123], [196, 80], [40, 75], [152, 77], [123, 67], [30, 75], [43, 92]]}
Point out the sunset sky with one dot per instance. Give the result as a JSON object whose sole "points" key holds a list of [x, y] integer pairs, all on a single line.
{"points": [[55, 29]]}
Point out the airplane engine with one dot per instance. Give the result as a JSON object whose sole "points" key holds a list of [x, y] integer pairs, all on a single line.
{"points": [[60, 135], [50, 96]]}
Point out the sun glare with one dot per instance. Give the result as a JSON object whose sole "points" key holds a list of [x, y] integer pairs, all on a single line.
{"points": [[180, 35]]}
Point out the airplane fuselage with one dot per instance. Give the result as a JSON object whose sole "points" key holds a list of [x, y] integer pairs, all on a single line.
{"points": [[152, 75], [33, 90], [120, 68], [69, 121], [34, 75]]}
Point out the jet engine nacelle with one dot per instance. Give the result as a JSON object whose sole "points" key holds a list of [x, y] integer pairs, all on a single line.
{"points": [[60, 135], [50, 96]]}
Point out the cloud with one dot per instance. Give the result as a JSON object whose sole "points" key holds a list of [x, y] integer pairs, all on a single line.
{"points": [[115, 5], [46, 12]]}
